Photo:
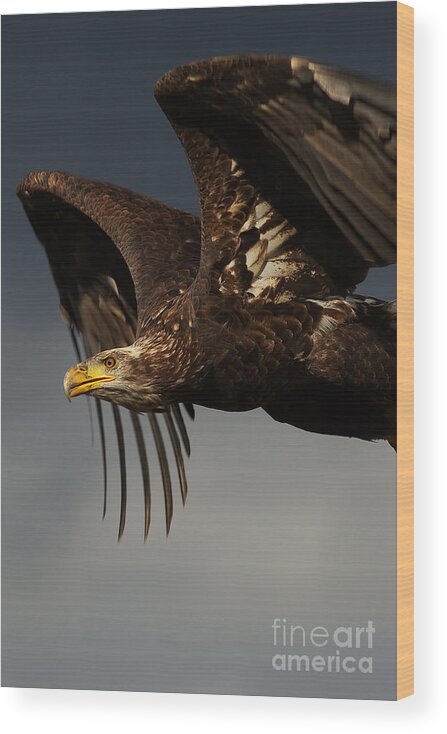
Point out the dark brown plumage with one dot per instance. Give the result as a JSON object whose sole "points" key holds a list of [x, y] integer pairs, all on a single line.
{"points": [[295, 165]]}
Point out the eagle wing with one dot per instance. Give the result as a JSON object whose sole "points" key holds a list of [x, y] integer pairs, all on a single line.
{"points": [[295, 165], [112, 253]]}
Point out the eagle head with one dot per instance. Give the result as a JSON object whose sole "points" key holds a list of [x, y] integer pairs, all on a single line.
{"points": [[119, 375]]}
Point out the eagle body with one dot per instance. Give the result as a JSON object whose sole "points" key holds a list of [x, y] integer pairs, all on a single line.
{"points": [[294, 361], [253, 305]]}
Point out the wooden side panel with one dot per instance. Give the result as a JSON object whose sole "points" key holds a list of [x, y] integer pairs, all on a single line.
{"points": [[405, 608]]}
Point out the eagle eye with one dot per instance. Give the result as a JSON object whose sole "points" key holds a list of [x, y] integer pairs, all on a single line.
{"points": [[110, 362]]}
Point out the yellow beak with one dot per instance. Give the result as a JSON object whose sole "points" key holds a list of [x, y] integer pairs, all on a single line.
{"points": [[78, 380]]}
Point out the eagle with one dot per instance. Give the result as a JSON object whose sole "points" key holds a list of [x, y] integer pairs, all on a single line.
{"points": [[253, 305]]}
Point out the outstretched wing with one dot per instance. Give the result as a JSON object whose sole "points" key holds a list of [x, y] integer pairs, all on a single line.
{"points": [[113, 252], [295, 164]]}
